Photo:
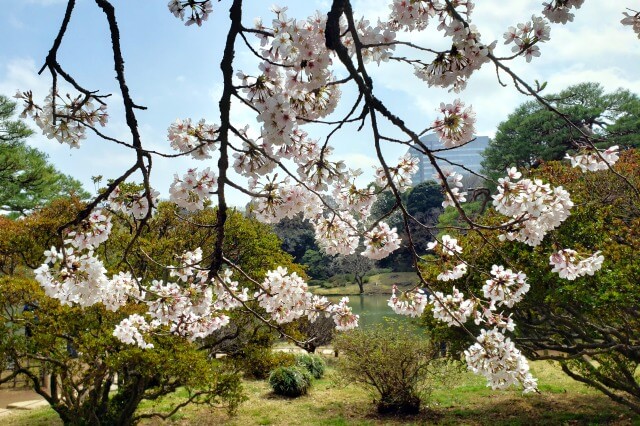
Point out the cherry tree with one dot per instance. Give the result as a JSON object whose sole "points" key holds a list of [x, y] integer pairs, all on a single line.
{"points": [[294, 87]]}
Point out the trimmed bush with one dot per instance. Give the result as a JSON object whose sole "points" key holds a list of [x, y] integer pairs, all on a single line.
{"points": [[312, 363], [290, 381]]}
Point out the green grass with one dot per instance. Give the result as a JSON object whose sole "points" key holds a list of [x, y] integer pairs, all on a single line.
{"points": [[377, 284], [462, 399]]}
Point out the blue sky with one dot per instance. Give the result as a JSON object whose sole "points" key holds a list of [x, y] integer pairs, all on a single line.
{"points": [[173, 70]]}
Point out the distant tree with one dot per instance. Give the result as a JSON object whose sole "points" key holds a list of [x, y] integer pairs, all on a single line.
{"points": [[532, 133], [297, 236], [27, 180], [318, 264], [355, 264], [424, 204]]}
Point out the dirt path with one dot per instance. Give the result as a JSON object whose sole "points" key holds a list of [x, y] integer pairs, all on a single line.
{"points": [[9, 396]]}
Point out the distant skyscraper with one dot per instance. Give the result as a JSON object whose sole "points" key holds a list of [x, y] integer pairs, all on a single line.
{"points": [[469, 156]]}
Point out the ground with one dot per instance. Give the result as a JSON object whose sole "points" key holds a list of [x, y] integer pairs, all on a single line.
{"points": [[462, 399]]}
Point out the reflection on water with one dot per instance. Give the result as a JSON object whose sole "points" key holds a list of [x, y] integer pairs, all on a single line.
{"points": [[372, 308]]}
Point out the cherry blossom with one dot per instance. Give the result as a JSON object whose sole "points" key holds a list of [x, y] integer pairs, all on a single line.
{"points": [[592, 162], [410, 303], [496, 357], [380, 242], [452, 309], [505, 287], [457, 125], [571, 265], [632, 20]]}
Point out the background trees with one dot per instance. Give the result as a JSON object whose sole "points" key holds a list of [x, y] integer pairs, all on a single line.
{"points": [[27, 180], [533, 133]]}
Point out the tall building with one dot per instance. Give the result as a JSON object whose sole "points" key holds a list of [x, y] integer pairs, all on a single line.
{"points": [[469, 156]]}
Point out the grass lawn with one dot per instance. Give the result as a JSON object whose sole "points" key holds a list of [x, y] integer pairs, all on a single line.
{"points": [[377, 284], [464, 399]]}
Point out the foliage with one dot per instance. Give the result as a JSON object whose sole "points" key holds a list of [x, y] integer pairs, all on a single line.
{"points": [[257, 362], [61, 342], [314, 364], [297, 236], [252, 244], [395, 362], [290, 381], [355, 264], [314, 334], [532, 133], [27, 180], [589, 323], [318, 264]]}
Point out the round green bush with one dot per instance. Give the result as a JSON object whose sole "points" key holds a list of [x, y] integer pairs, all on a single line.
{"points": [[312, 363], [290, 381]]}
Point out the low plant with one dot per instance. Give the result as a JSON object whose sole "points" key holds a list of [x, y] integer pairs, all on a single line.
{"points": [[290, 381], [259, 362], [314, 364], [395, 362]]}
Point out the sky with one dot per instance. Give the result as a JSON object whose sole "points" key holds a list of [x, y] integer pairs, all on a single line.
{"points": [[173, 70]]}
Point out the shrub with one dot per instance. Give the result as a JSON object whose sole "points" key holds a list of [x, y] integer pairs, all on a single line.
{"points": [[312, 363], [259, 362], [290, 381], [394, 362]]}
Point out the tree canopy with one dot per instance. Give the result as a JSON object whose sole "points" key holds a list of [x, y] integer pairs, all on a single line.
{"points": [[27, 179], [590, 323], [533, 133]]}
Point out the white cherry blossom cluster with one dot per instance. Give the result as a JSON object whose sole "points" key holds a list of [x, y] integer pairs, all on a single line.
{"points": [[198, 140], [589, 161], [286, 297], [632, 20], [559, 11], [281, 199], [448, 249], [343, 316], [64, 118], [351, 198], [411, 15], [379, 41], [193, 189], [400, 174], [200, 10], [130, 203], [453, 182], [448, 246], [92, 232], [495, 357], [454, 273], [526, 36], [537, 206], [488, 315], [505, 287], [410, 303], [130, 331], [451, 68], [452, 309], [337, 234], [380, 242], [457, 125], [569, 264]]}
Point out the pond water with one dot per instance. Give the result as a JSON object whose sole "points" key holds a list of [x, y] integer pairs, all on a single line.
{"points": [[372, 308]]}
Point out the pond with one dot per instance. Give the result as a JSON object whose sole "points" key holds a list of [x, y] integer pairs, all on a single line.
{"points": [[372, 308]]}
